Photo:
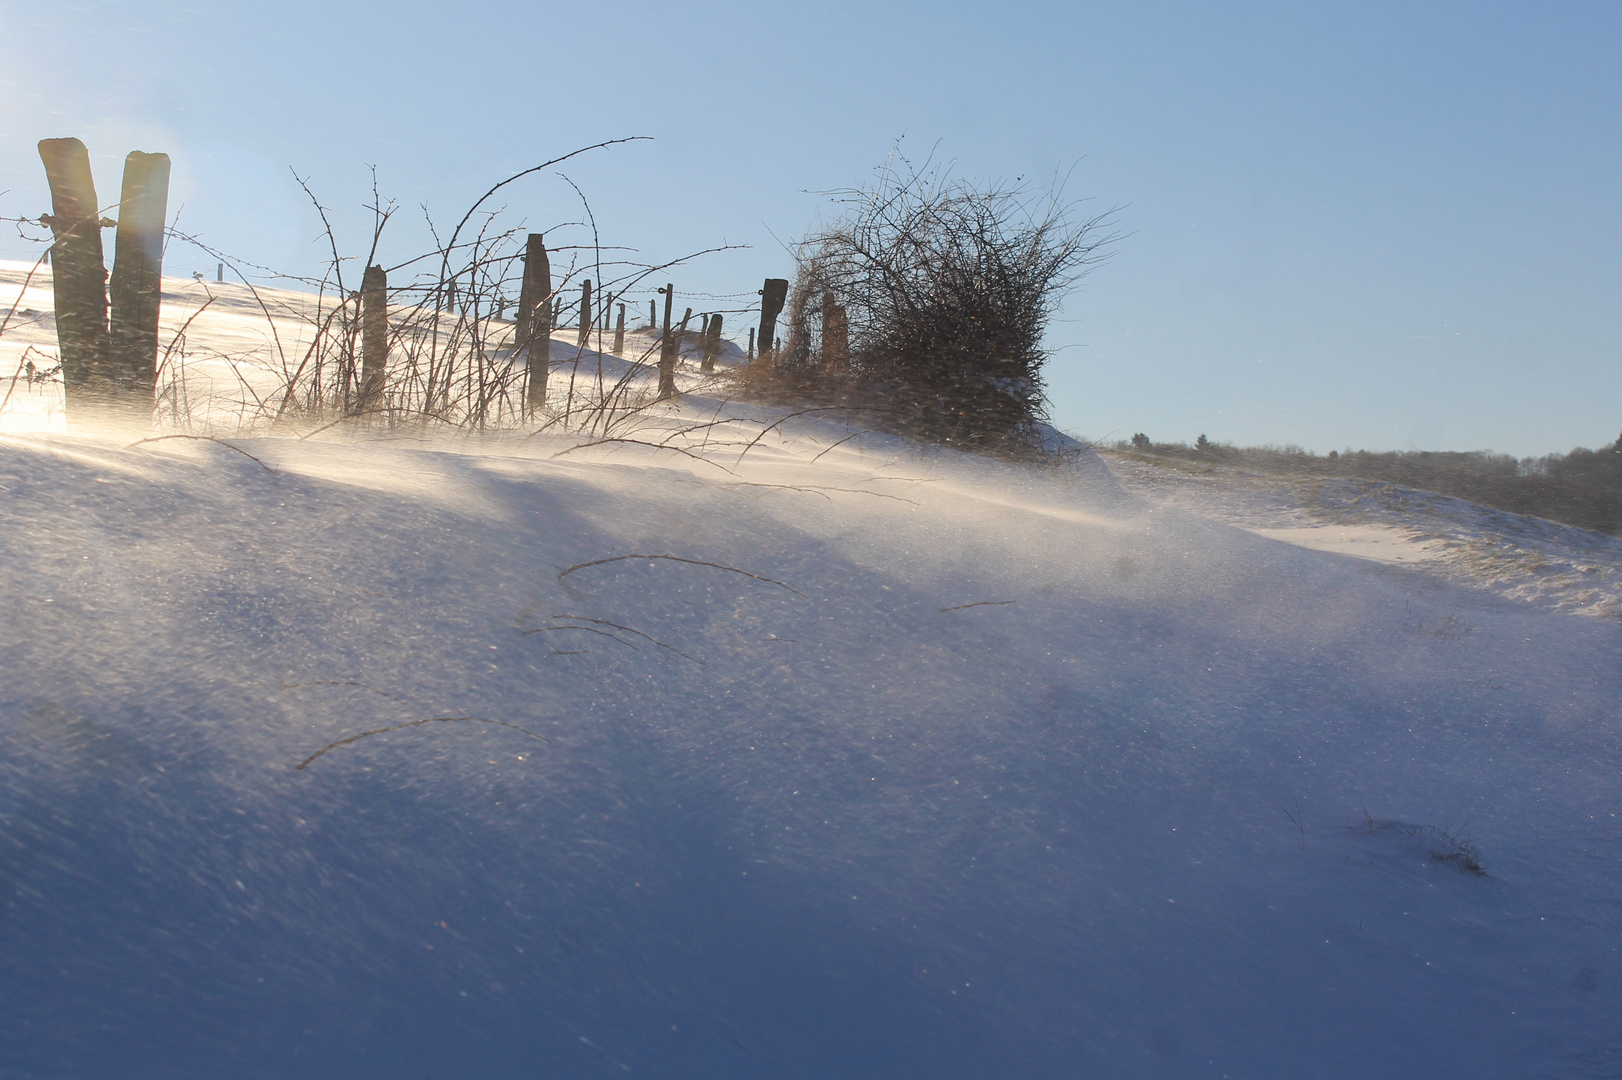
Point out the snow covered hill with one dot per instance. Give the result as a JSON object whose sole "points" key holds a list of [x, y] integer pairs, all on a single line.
{"points": [[1560, 567], [772, 752]]}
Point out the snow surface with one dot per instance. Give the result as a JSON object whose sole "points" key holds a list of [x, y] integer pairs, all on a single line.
{"points": [[1556, 566], [894, 763]]}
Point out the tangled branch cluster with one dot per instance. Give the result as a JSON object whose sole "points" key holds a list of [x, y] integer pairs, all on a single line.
{"points": [[932, 293]]}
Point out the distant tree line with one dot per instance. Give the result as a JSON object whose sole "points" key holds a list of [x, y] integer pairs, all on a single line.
{"points": [[1582, 488]]}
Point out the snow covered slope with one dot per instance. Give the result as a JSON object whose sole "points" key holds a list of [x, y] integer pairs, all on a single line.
{"points": [[1543, 562], [781, 757]]}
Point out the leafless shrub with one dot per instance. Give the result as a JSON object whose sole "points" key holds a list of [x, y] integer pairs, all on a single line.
{"points": [[930, 295]]}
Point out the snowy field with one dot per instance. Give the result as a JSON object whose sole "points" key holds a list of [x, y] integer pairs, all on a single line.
{"points": [[1550, 565], [788, 753]]}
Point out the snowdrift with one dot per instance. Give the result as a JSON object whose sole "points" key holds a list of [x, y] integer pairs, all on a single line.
{"points": [[895, 764]]}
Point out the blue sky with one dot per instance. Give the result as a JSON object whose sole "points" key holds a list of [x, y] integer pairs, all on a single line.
{"points": [[1379, 225]]}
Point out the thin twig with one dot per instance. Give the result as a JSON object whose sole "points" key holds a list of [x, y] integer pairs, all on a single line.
{"points": [[342, 682], [838, 444], [7, 322], [587, 629], [1295, 819], [813, 489], [205, 438], [627, 629], [677, 558], [642, 442], [416, 723], [979, 603]]}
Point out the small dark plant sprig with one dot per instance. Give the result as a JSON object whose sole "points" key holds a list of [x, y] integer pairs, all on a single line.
{"points": [[1444, 845], [1297, 820]]}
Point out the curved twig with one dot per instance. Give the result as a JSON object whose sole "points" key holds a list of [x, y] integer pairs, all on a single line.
{"points": [[677, 558], [587, 629], [815, 489], [617, 626], [205, 438], [838, 444], [642, 442], [342, 682], [416, 723]]}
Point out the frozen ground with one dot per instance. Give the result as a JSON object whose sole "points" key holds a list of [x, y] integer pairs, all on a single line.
{"points": [[790, 758]]}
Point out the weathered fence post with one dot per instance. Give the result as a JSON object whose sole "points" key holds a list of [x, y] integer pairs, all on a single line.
{"points": [[619, 332], [772, 298], [78, 274], [374, 339], [653, 316], [585, 314], [750, 354], [535, 309], [835, 332], [526, 303], [137, 282], [681, 333], [712, 343], [667, 350]]}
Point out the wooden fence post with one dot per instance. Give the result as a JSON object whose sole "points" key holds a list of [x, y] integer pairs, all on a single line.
{"points": [[653, 316], [374, 339], [585, 314], [619, 332], [835, 332], [712, 343], [136, 287], [750, 354], [667, 350], [78, 273], [772, 298], [535, 310], [681, 333]]}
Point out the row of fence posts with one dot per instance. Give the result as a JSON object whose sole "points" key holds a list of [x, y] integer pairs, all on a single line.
{"points": [[111, 363]]}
